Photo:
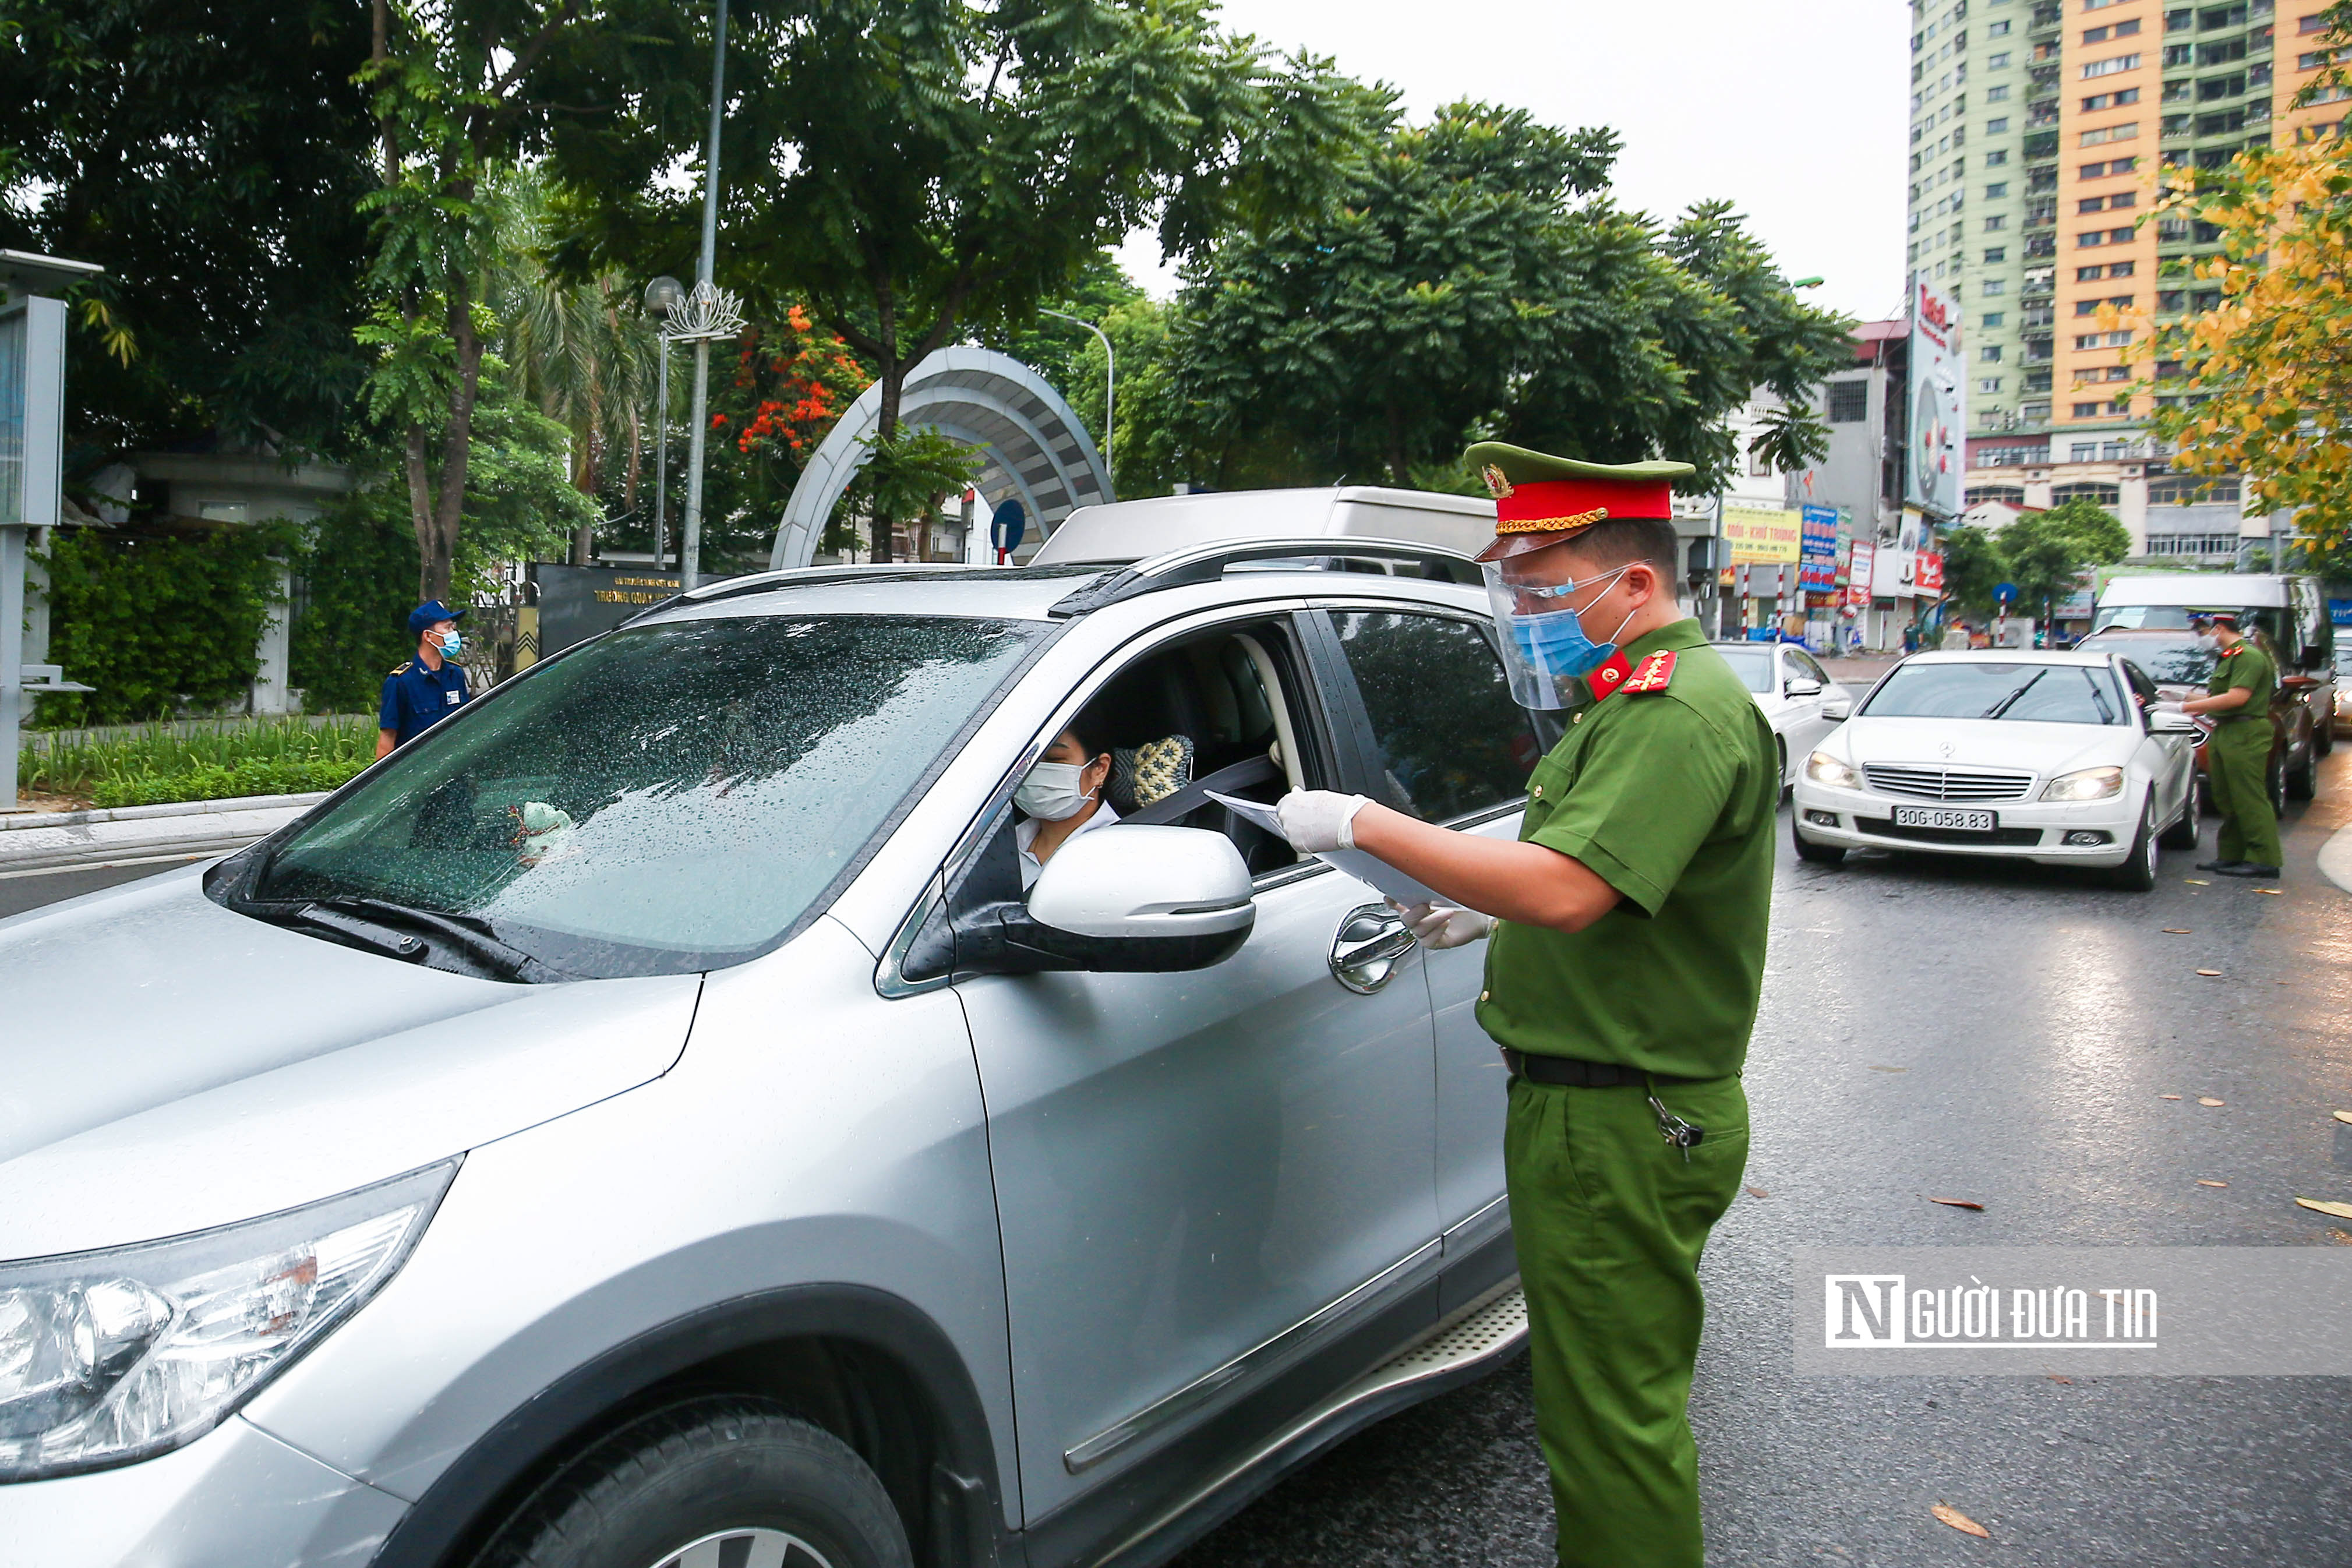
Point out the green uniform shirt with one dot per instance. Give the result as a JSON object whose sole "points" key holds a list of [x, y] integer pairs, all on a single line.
{"points": [[1670, 798], [2247, 666]]}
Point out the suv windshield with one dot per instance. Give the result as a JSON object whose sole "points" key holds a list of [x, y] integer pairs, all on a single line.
{"points": [[668, 798], [2170, 661], [1753, 665], [2028, 693]]}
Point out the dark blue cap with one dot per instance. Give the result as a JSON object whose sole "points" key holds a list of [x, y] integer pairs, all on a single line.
{"points": [[428, 613]]}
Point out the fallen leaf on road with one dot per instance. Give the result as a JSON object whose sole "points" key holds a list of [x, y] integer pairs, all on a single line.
{"points": [[2209, 1099], [2197, 881], [1756, 1192], [1966, 1203], [1960, 1522], [2343, 1236], [2167, 1096], [2055, 1378], [2175, 930], [2209, 973], [2202, 1182], [2274, 892], [2344, 1116], [1875, 1067], [2341, 1211]]}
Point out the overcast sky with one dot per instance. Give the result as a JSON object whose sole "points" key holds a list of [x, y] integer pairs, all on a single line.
{"points": [[1797, 112]]}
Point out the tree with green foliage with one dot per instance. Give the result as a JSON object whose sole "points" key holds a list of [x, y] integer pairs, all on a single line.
{"points": [[917, 170], [2043, 552], [1474, 279], [1973, 568], [210, 154]]}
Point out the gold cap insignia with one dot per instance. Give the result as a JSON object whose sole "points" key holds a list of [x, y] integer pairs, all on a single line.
{"points": [[1496, 483]]}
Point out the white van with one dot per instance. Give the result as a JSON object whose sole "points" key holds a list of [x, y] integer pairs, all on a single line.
{"points": [[2289, 610]]}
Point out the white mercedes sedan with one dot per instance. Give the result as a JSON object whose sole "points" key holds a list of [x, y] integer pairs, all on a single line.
{"points": [[1801, 700], [2066, 759]]}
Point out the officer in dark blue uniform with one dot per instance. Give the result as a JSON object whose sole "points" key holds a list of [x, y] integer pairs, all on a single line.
{"points": [[428, 687]]}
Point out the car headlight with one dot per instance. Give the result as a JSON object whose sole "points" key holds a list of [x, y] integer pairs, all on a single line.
{"points": [[2085, 783], [112, 1356], [1825, 768]]}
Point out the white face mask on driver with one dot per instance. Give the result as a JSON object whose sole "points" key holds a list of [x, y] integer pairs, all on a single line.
{"points": [[1053, 792]]}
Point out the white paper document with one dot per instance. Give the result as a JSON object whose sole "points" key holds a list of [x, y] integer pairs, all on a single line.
{"points": [[1356, 863]]}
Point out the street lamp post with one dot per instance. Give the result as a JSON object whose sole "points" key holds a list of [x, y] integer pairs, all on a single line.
{"points": [[1110, 377], [690, 555], [663, 297]]}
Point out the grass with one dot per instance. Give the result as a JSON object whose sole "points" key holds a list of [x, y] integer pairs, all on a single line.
{"points": [[286, 757]]}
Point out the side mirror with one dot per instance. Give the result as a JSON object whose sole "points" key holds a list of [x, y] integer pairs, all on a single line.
{"points": [[2171, 721], [1839, 708], [1803, 686], [1145, 884]]}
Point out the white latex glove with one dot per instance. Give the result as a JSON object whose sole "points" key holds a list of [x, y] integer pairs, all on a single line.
{"points": [[1317, 820], [1446, 925]]}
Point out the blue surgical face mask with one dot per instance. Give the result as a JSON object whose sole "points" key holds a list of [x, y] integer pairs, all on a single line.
{"points": [[452, 644], [1554, 645]]}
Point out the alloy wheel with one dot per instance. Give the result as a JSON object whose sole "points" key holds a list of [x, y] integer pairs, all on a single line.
{"points": [[754, 1548]]}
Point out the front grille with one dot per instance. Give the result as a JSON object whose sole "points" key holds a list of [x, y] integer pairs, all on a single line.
{"points": [[1969, 786], [2017, 837]]}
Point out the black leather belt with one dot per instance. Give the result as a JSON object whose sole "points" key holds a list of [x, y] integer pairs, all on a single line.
{"points": [[1574, 1074]]}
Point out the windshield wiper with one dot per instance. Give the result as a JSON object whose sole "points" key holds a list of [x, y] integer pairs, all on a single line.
{"points": [[2006, 703], [469, 936]]}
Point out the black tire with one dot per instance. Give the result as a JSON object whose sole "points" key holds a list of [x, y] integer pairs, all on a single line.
{"points": [[711, 1467], [2323, 735], [2205, 803], [1780, 751], [2300, 782], [2182, 834], [2275, 782], [1817, 854], [2137, 875]]}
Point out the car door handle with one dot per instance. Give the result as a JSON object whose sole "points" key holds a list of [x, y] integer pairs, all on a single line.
{"points": [[1364, 953]]}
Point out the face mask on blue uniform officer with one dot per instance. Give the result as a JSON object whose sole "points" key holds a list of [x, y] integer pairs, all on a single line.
{"points": [[1547, 649]]}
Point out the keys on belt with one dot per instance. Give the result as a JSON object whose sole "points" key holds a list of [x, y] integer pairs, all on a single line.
{"points": [[1571, 1072]]}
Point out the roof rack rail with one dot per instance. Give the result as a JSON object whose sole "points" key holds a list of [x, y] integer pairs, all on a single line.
{"points": [[764, 582], [1207, 563]]}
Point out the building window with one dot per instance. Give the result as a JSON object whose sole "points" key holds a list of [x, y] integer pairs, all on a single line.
{"points": [[2086, 411], [2125, 133], [2121, 268], [2090, 490], [1996, 222], [1999, 94], [1996, 62], [1849, 402], [2115, 30], [1988, 383], [2114, 65], [1989, 320], [1995, 159], [2314, 23], [1990, 353], [1994, 193], [1997, 30], [2013, 495], [2182, 489], [2112, 166], [1994, 256], [2097, 101], [2179, 21]]}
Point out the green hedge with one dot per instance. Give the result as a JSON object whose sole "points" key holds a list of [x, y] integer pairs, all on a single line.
{"points": [[160, 624], [209, 782], [359, 583]]}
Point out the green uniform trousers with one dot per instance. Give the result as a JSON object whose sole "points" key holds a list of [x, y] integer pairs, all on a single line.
{"points": [[2237, 772], [1610, 1221]]}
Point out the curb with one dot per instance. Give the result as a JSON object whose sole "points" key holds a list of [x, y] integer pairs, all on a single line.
{"points": [[65, 840]]}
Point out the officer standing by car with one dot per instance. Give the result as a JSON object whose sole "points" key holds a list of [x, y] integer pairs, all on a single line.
{"points": [[428, 687], [2238, 752], [1621, 981]]}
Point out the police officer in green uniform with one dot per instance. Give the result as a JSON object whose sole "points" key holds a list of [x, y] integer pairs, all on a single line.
{"points": [[2238, 752], [1626, 959]]}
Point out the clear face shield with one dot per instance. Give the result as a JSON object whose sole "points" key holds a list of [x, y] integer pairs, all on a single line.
{"points": [[1546, 649]]}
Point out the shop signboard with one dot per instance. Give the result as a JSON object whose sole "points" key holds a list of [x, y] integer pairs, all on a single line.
{"points": [[1929, 573], [1894, 575], [576, 603], [1820, 547], [1859, 574], [1762, 534]]}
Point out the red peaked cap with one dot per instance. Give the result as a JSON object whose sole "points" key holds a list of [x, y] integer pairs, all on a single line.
{"points": [[1541, 499]]}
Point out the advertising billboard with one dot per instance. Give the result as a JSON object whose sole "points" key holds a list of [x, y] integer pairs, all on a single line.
{"points": [[1938, 408], [1820, 546]]}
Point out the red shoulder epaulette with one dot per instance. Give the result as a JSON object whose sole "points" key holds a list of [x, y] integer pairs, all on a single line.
{"points": [[1655, 672]]}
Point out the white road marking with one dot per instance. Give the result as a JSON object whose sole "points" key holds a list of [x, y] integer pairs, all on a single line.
{"points": [[2336, 859]]}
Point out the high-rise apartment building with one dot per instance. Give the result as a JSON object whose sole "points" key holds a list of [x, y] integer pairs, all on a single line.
{"points": [[2040, 130]]}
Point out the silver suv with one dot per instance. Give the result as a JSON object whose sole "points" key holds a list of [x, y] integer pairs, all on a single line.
{"points": [[642, 1122]]}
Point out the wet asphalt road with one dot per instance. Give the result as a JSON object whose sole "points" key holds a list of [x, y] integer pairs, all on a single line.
{"points": [[2003, 1034]]}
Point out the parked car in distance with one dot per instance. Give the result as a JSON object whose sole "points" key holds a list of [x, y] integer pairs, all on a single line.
{"points": [[1797, 695], [2343, 724], [2064, 758], [2180, 666], [754, 1167]]}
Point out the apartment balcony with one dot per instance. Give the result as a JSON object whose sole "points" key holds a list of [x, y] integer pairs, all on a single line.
{"points": [[2039, 114], [2038, 316], [2040, 144]]}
